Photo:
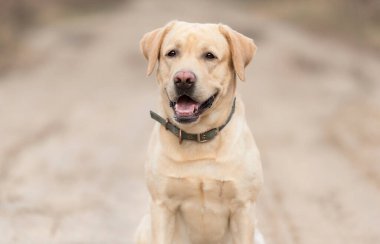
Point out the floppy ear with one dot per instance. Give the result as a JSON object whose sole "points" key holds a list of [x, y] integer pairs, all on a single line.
{"points": [[150, 45], [242, 49]]}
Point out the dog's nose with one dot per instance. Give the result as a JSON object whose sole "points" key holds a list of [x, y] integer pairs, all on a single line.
{"points": [[184, 79]]}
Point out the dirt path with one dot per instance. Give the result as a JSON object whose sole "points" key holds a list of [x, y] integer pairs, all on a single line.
{"points": [[74, 129]]}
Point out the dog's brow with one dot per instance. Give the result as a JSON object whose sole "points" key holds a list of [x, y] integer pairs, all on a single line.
{"points": [[176, 45], [208, 49], [172, 46]]}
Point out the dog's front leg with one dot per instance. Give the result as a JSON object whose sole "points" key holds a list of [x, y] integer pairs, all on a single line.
{"points": [[163, 223], [242, 225]]}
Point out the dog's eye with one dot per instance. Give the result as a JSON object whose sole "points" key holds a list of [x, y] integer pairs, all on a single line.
{"points": [[171, 53], [210, 56]]}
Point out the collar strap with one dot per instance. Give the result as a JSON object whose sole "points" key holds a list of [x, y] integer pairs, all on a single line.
{"points": [[182, 135]]}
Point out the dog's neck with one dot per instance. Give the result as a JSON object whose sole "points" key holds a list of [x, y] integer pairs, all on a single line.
{"points": [[199, 137], [213, 118]]}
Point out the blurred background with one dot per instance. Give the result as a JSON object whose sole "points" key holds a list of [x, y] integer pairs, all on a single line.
{"points": [[74, 122]]}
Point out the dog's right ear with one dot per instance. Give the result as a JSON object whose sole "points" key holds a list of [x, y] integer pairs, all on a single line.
{"points": [[150, 45], [242, 49]]}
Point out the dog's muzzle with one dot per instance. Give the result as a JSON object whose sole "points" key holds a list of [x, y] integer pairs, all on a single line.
{"points": [[187, 110]]}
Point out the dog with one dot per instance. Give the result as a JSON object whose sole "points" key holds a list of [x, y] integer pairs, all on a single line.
{"points": [[203, 171]]}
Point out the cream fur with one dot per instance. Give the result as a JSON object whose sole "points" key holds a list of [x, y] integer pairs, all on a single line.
{"points": [[201, 193]]}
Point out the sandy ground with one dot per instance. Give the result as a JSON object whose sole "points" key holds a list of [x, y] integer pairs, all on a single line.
{"points": [[74, 127]]}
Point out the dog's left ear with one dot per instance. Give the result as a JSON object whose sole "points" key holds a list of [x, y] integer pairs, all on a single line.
{"points": [[150, 45], [242, 49]]}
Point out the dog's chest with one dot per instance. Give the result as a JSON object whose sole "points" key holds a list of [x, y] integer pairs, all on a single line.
{"points": [[199, 188], [205, 203], [208, 187]]}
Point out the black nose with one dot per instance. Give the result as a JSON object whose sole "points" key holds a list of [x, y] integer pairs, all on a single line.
{"points": [[184, 80]]}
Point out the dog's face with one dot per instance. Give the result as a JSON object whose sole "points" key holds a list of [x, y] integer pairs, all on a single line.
{"points": [[197, 65]]}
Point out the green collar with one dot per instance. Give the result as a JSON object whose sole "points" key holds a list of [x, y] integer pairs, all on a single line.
{"points": [[182, 135]]}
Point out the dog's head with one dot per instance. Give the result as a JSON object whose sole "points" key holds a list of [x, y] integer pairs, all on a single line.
{"points": [[197, 66]]}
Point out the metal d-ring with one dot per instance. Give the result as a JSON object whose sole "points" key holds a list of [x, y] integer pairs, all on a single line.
{"points": [[166, 124], [180, 139]]}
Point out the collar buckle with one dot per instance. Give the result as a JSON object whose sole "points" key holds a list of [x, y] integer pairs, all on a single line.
{"points": [[206, 136], [202, 137]]}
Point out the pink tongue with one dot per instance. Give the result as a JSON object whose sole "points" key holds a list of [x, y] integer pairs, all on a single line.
{"points": [[186, 107]]}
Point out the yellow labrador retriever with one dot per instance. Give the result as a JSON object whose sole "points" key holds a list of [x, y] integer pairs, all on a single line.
{"points": [[204, 170]]}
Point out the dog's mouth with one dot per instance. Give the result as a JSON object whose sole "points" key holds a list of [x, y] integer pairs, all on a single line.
{"points": [[187, 110]]}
